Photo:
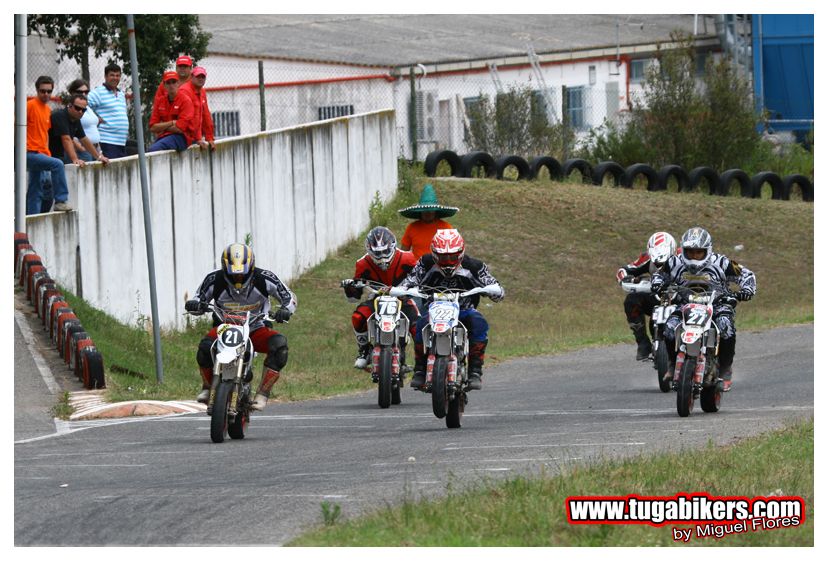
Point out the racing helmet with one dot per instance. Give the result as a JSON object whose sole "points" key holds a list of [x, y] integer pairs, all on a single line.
{"points": [[237, 263], [381, 245], [448, 248], [696, 249], [660, 247]]}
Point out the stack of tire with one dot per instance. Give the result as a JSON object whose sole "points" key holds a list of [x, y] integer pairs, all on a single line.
{"points": [[71, 341], [716, 184]]}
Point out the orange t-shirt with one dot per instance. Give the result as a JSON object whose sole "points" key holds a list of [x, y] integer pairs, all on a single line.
{"points": [[418, 235], [38, 123]]}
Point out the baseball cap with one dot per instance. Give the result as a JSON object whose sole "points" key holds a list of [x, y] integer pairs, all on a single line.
{"points": [[199, 71], [170, 75], [184, 60]]}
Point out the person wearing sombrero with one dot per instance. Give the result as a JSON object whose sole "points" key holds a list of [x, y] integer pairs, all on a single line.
{"points": [[427, 215]]}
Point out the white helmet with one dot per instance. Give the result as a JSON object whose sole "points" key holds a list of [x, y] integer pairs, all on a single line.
{"points": [[693, 239], [660, 247]]}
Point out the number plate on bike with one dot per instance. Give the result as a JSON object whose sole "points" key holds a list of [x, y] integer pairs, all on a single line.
{"points": [[696, 315], [661, 313], [232, 337], [443, 315]]}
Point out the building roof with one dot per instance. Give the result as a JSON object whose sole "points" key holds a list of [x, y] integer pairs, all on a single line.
{"points": [[402, 40]]}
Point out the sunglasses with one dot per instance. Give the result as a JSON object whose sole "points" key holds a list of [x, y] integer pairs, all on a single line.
{"points": [[171, 82], [44, 91], [79, 109], [84, 92]]}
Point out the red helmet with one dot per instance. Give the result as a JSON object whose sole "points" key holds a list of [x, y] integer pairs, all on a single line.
{"points": [[447, 248]]}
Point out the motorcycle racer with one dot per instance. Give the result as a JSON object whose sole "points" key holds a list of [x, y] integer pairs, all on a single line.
{"points": [[637, 305], [240, 286], [698, 263], [384, 263], [447, 267]]}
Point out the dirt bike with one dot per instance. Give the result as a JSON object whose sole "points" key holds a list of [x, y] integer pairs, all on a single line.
{"points": [[658, 320], [696, 373], [233, 354], [387, 332], [446, 343]]}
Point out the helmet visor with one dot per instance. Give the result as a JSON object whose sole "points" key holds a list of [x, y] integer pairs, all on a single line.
{"points": [[695, 253], [448, 260]]}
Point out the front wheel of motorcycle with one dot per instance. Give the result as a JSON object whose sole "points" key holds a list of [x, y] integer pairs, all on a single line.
{"points": [[439, 391], [218, 420], [684, 394], [662, 363], [385, 375]]}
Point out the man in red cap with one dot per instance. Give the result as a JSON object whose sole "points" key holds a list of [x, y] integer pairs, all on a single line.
{"points": [[173, 117], [195, 89], [184, 67]]}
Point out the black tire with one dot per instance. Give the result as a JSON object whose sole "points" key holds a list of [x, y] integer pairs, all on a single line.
{"points": [[455, 411], [473, 160], [635, 170], [603, 168], [93, 369], [662, 363], [684, 395], [552, 165], [804, 183], [522, 166], [439, 391], [435, 157], [581, 165], [665, 173], [731, 175], [711, 398], [396, 395], [236, 429], [385, 375], [775, 182], [218, 419], [704, 173]]}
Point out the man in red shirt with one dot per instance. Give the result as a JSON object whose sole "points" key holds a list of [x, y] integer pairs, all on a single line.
{"points": [[183, 67], [195, 89], [173, 118]]}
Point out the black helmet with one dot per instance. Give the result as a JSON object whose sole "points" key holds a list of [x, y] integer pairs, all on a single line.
{"points": [[696, 240], [237, 262], [380, 244]]}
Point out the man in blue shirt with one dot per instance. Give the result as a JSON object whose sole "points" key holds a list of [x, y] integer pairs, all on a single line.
{"points": [[110, 105]]}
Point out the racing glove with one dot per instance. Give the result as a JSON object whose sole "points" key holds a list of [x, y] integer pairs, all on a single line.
{"points": [[744, 295], [621, 275], [282, 315], [196, 306]]}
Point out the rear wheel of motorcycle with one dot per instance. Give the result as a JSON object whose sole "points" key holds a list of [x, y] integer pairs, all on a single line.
{"points": [[684, 395], [662, 363], [455, 411], [439, 392], [385, 375], [236, 428], [711, 398], [218, 420]]}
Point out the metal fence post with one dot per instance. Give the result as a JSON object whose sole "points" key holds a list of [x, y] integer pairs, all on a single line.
{"points": [[565, 122], [20, 183], [262, 95], [412, 116]]}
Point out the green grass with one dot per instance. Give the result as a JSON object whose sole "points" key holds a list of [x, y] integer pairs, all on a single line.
{"points": [[555, 247], [527, 511]]}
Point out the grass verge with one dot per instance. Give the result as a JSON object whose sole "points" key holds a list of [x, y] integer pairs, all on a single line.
{"points": [[555, 247], [530, 511]]}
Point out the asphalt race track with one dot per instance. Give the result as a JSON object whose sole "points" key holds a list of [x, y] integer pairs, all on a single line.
{"points": [[162, 482]]}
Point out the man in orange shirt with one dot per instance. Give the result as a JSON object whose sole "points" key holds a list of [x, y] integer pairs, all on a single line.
{"points": [[183, 67], [195, 89], [173, 118], [427, 214], [38, 156]]}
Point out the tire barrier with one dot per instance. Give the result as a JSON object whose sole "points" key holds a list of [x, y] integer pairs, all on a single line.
{"points": [[519, 163], [464, 166], [434, 158], [603, 168], [665, 173], [731, 175], [70, 339], [635, 170], [775, 182]]}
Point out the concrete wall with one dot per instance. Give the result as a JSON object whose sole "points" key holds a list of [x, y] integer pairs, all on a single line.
{"points": [[300, 192]]}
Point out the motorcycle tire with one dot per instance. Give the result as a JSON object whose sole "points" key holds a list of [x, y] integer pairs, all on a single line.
{"points": [[236, 429], [711, 398], [385, 375], [218, 420], [662, 363], [439, 391], [455, 411], [684, 393]]}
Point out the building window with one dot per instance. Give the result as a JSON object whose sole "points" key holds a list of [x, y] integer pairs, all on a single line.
{"points": [[638, 69], [575, 107], [701, 61], [592, 75], [472, 106], [334, 111], [226, 123]]}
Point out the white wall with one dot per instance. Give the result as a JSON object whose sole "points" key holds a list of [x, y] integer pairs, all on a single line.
{"points": [[301, 192]]}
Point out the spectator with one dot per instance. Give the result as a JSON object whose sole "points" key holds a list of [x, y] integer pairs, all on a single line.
{"points": [[428, 214], [195, 89], [173, 117], [89, 121], [38, 156], [184, 67], [110, 104], [66, 125]]}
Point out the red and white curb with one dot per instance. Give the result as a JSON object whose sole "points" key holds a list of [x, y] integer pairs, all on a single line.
{"points": [[90, 404]]}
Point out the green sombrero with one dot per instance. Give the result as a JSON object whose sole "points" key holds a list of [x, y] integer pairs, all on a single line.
{"points": [[428, 202]]}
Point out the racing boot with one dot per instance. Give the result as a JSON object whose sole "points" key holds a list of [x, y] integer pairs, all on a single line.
{"points": [[363, 358], [727, 349], [206, 381], [645, 348], [477, 352], [419, 378], [269, 377]]}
